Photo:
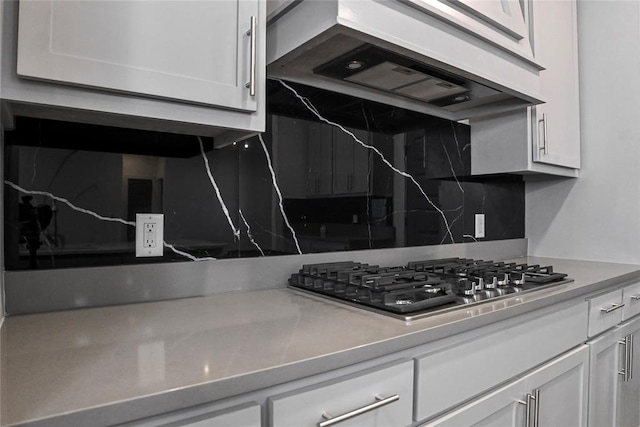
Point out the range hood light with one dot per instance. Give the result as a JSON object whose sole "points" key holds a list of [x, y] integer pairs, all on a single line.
{"points": [[354, 65]]}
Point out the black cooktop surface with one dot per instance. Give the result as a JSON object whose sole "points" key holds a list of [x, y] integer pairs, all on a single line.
{"points": [[422, 287]]}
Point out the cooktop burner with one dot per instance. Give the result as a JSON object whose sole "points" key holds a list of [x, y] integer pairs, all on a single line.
{"points": [[422, 288]]}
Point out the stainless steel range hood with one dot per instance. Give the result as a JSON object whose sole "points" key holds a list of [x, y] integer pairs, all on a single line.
{"points": [[396, 53]]}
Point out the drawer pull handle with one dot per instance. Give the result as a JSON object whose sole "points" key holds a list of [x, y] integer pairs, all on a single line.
{"points": [[532, 408], [252, 57], [627, 372], [635, 297], [380, 401], [612, 308]]}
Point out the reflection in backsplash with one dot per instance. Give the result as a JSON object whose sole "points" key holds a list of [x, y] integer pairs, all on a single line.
{"points": [[405, 181]]}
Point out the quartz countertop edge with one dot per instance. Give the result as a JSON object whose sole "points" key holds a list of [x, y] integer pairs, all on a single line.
{"points": [[287, 339]]}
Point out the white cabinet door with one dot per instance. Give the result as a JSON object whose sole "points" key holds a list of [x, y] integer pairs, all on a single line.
{"points": [[629, 408], [319, 160], [502, 408], [556, 131], [350, 162], [503, 15], [604, 380], [560, 389], [555, 394], [545, 138], [193, 51], [614, 387]]}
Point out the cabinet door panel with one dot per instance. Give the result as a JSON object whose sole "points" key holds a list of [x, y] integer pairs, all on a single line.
{"points": [[562, 390], [319, 160], [604, 380], [195, 51], [504, 15], [362, 174], [501, 408], [351, 163], [629, 414], [557, 122]]}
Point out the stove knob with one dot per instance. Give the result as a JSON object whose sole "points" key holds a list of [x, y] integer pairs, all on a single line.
{"points": [[516, 279], [490, 281], [503, 279], [467, 287]]}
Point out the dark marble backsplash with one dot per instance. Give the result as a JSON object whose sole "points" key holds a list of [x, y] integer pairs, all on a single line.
{"points": [[307, 185]]}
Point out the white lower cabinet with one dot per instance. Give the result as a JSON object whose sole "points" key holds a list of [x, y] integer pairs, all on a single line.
{"points": [[554, 394], [381, 397], [248, 415], [614, 389], [449, 376]]}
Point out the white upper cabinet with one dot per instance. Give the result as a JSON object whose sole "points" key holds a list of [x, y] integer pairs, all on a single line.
{"points": [[545, 138], [502, 22], [557, 128], [505, 15], [189, 62], [134, 46]]}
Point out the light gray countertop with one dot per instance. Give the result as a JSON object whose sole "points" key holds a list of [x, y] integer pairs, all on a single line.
{"points": [[124, 362]]}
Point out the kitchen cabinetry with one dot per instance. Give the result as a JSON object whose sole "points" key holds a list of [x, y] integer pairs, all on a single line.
{"points": [[336, 165], [614, 390], [513, 349], [501, 22], [544, 138], [319, 160], [350, 162], [248, 415], [198, 66], [378, 398], [554, 394], [486, 42]]}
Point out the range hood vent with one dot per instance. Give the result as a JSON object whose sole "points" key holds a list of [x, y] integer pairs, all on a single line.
{"points": [[390, 53], [383, 70]]}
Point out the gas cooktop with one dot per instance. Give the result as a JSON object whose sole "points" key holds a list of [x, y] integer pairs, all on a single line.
{"points": [[423, 288]]}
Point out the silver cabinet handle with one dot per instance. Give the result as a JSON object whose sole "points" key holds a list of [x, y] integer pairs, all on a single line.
{"points": [[635, 297], [380, 401], [536, 412], [544, 146], [528, 405], [612, 308], [629, 356], [253, 57]]}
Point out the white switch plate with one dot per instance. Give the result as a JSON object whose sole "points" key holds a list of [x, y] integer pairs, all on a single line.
{"points": [[479, 226], [149, 235]]}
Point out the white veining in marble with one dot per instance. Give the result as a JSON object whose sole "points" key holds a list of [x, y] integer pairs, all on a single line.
{"points": [[249, 235], [407, 175], [97, 216], [279, 193], [225, 210]]}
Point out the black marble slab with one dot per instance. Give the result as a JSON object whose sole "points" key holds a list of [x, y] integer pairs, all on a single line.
{"points": [[306, 185]]}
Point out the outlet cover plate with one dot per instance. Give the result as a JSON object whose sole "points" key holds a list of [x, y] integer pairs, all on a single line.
{"points": [[149, 235], [479, 231]]}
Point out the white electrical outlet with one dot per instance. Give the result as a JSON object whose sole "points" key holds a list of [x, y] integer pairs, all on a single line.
{"points": [[149, 235], [479, 226]]}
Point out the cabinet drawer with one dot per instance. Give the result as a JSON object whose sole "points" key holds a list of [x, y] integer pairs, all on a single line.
{"points": [[450, 376], [631, 300], [305, 407], [605, 311], [246, 415]]}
